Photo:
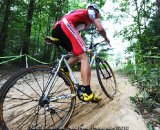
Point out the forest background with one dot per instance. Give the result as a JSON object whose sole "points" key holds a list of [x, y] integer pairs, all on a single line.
{"points": [[25, 23]]}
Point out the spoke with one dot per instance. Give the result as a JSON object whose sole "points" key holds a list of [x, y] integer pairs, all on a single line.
{"points": [[58, 115], [54, 84], [52, 94], [45, 121], [37, 81], [22, 113], [27, 114], [62, 102], [53, 120], [37, 119], [34, 117], [64, 109], [24, 93], [32, 88], [27, 118], [19, 105], [112, 85], [19, 98], [57, 90]]}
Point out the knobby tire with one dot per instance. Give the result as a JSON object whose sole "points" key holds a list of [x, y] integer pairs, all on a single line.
{"points": [[24, 89]]}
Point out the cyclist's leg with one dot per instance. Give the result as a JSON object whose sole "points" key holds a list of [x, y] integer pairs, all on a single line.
{"points": [[85, 69], [79, 49], [73, 60]]}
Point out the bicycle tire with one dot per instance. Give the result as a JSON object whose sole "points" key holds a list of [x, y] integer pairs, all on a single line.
{"points": [[106, 78], [19, 100]]}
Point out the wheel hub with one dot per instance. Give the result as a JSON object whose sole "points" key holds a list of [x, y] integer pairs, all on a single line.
{"points": [[43, 101]]}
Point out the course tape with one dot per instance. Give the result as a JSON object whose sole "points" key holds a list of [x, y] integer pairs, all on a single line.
{"points": [[7, 57], [156, 57], [37, 60], [12, 58]]}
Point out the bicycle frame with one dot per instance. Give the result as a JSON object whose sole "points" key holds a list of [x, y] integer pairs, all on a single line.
{"points": [[93, 58], [55, 70], [49, 94]]}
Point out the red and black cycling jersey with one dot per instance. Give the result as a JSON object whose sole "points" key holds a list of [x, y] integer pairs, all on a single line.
{"points": [[71, 24], [81, 18]]}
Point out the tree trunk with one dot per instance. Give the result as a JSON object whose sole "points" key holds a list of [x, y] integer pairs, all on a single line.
{"points": [[4, 29], [158, 5], [27, 31]]}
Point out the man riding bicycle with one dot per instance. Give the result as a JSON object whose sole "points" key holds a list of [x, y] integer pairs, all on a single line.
{"points": [[67, 30]]}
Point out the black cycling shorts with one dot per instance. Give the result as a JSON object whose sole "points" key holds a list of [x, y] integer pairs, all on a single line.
{"points": [[57, 32]]}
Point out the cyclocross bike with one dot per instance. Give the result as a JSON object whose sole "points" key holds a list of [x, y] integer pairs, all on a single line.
{"points": [[44, 97]]}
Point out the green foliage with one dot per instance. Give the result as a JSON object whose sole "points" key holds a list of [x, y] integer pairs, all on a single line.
{"points": [[46, 13], [128, 69], [100, 3], [144, 36]]}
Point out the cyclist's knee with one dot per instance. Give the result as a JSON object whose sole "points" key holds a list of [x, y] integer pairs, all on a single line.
{"points": [[83, 57]]}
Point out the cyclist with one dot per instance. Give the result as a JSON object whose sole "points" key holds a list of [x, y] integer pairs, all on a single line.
{"points": [[67, 30]]}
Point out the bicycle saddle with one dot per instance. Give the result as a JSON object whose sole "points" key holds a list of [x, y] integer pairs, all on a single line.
{"points": [[51, 40]]}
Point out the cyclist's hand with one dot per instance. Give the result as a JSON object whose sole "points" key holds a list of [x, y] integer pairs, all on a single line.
{"points": [[108, 41]]}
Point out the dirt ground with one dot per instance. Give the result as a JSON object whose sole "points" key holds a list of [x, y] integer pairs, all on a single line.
{"points": [[117, 114]]}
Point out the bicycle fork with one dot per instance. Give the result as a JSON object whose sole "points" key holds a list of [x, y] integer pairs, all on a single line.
{"points": [[55, 71], [45, 100]]}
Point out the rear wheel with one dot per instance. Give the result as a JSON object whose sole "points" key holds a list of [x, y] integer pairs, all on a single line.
{"points": [[106, 78], [20, 104]]}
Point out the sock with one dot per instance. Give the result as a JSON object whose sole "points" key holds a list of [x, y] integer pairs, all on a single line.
{"points": [[86, 89]]}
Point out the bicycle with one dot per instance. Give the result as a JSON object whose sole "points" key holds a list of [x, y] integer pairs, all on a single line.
{"points": [[44, 97]]}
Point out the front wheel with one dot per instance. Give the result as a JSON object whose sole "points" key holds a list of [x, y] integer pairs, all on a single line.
{"points": [[21, 107], [106, 78]]}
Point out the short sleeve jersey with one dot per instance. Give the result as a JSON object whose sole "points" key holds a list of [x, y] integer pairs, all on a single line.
{"points": [[81, 18]]}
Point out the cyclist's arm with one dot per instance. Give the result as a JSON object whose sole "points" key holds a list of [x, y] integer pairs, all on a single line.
{"points": [[101, 30]]}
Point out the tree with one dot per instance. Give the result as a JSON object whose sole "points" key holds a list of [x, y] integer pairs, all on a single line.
{"points": [[4, 29], [27, 32], [144, 36], [158, 5], [27, 22]]}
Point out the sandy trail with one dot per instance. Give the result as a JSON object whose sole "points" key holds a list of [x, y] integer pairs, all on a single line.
{"points": [[117, 113]]}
